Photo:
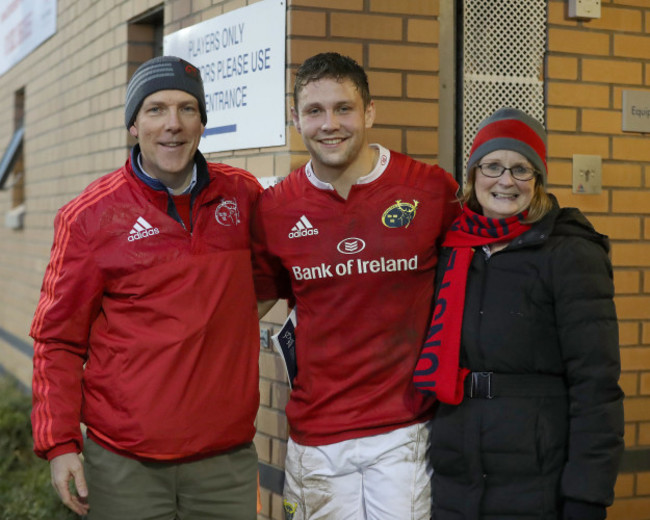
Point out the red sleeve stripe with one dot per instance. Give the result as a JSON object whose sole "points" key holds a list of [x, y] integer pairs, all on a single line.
{"points": [[42, 412]]}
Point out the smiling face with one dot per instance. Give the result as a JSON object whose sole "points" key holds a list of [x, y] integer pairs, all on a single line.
{"points": [[503, 196], [168, 128], [333, 122]]}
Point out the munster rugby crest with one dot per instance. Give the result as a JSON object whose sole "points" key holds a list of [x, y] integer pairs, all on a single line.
{"points": [[227, 213], [400, 214]]}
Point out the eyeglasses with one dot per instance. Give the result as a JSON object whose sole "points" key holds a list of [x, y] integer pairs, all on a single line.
{"points": [[519, 172]]}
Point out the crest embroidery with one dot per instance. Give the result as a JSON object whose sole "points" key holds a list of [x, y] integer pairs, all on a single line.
{"points": [[400, 214], [227, 213]]}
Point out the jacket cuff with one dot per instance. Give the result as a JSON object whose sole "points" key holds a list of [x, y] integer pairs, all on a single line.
{"points": [[578, 510], [62, 449]]}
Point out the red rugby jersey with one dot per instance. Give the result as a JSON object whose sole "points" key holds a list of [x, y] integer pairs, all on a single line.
{"points": [[361, 271]]}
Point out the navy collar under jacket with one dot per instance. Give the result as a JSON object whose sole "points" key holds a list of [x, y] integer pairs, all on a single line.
{"points": [[202, 180]]}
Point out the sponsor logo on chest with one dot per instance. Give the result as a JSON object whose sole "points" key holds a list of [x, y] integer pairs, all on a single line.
{"points": [[397, 215], [355, 266], [303, 228], [141, 230]]}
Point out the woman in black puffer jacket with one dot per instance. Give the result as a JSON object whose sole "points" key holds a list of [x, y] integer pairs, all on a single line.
{"points": [[523, 349]]}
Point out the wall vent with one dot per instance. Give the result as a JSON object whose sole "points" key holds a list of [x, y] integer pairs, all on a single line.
{"points": [[502, 61]]}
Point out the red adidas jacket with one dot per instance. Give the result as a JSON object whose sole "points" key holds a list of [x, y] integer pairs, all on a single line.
{"points": [[147, 332]]}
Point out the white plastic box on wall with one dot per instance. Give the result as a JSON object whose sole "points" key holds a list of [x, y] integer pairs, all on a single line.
{"points": [[14, 217], [584, 8]]}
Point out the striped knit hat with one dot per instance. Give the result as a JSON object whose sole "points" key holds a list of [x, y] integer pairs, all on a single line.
{"points": [[511, 129], [163, 73]]}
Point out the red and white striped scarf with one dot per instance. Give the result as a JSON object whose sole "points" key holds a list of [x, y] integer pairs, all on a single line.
{"points": [[438, 371]]}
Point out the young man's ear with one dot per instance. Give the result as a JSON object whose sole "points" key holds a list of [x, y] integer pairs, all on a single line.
{"points": [[296, 119], [370, 114], [133, 131]]}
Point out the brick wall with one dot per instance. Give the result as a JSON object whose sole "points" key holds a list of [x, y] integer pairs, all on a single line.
{"points": [[396, 42], [75, 85], [589, 64]]}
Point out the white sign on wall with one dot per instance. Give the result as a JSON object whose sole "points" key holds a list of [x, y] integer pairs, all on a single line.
{"points": [[24, 25], [636, 111], [241, 55]]}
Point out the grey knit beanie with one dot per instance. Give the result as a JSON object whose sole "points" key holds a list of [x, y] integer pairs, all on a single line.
{"points": [[511, 129], [163, 73]]}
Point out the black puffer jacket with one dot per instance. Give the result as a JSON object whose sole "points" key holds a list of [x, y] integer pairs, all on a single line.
{"points": [[542, 307]]}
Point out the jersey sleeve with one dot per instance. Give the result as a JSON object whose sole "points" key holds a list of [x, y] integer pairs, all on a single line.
{"points": [[69, 302], [271, 278]]}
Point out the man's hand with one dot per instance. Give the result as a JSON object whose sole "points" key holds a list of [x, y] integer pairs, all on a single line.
{"points": [[64, 468]]}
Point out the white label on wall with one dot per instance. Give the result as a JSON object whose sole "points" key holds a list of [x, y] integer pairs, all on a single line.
{"points": [[241, 55], [636, 111]]}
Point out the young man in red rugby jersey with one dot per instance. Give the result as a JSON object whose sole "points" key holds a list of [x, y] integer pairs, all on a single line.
{"points": [[353, 237]]}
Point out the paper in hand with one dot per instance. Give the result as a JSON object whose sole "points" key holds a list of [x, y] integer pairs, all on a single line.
{"points": [[284, 342]]}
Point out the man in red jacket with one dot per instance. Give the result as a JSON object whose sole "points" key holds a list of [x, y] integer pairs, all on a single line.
{"points": [[146, 330]]}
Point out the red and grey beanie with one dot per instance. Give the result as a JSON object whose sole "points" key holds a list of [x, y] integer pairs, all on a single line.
{"points": [[163, 73], [511, 129]]}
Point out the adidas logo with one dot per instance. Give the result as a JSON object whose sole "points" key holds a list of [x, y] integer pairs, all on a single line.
{"points": [[142, 229], [303, 228]]}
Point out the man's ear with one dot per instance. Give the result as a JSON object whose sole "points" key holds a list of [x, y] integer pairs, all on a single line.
{"points": [[296, 119], [133, 131], [370, 114]]}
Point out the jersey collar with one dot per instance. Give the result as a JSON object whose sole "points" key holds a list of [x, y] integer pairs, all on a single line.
{"points": [[380, 167]]}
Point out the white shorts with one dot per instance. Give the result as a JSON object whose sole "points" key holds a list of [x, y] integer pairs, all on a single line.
{"points": [[383, 477]]}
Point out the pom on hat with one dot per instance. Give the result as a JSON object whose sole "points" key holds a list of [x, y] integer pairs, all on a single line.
{"points": [[163, 73], [511, 129]]}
